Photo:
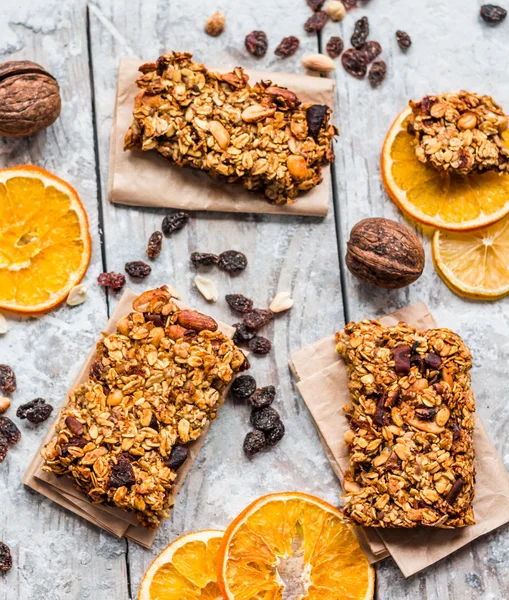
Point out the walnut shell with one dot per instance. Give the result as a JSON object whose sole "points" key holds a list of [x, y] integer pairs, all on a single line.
{"points": [[384, 253], [29, 98]]}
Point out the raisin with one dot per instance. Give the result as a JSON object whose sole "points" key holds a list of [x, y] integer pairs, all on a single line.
{"points": [[316, 21], [114, 281], [260, 345], [492, 13], [243, 387], [4, 448], [276, 434], [74, 442], [401, 356], [404, 41], [174, 222], [121, 474], [361, 32], [254, 442], [263, 397], [242, 334], [138, 269], [370, 51], [7, 380], [73, 425], [239, 302], [315, 4], [418, 361], [35, 411], [177, 458], [315, 117], [288, 47], [433, 361], [353, 63], [155, 243], [257, 43], [257, 318], [232, 261], [202, 258], [335, 46], [454, 491], [264, 418], [5, 557], [9, 433], [377, 73], [155, 318]]}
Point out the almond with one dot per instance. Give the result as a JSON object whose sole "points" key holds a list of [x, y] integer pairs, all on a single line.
{"points": [[257, 112], [319, 63], [281, 302], [192, 319], [297, 167], [222, 136]]}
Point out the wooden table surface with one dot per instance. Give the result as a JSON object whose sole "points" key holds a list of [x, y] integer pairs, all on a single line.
{"points": [[57, 555]]}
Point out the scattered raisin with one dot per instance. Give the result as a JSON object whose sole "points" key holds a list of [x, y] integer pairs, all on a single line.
{"points": [[433, 361], [370, 51], [377, 73], [5, 557], [492, 13], [177, 458], [316, 4], [114, 281], [242, 334], [121, 474], [155, 243], [316, 21], [260, 345], [335, 46], [243, 387], [263, 397], [174, 222], [239, 302], [74, 442], [257, 43], [9, 433], [7, 380], [257, 318], [288, 47], [254, 442], [138, 269], [276, 434], [315, 117], [4, 448], [232, 261], [353, 63], [264, 418], [203, 258], [35, 411], [360, 34], [73, 425], [404, 41]]}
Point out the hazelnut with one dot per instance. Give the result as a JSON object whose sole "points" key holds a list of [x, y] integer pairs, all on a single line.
{"points": [[215, 24], [4, 405], [468, 120], [336, 10], [297, 167]]}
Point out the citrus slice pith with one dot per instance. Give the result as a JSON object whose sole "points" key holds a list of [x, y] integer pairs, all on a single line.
{"points": [[474, 264], [185, 570], [453, 202], [292, 546], [44, 239]]}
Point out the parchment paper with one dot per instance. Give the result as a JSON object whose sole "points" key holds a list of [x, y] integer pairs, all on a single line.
{"points": [[147, 179], [61, 489], [322, 381]]}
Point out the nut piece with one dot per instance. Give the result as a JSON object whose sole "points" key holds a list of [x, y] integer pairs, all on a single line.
{"points": [[336, 10], [319, 63], [4, 327], [297, 167], [282, 301], [215, 24], [206, 287], [4, 405], [220, 133], [192, 319], [257, 112], [77, 295], [467, 120]]}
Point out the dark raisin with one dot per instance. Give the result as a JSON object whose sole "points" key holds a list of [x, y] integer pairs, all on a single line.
{"points": [[202, 258], [243, 387], [96, 370], [316, 4], [155, 318], [254, 442], [74, 442], [257, 318], [264, 418], [417, 360], [138, 269], [239, 302], [155, 243], [257, 43], [73, 425], [335, 46], [122, 473], [174, 222], [404, 41], [315, 117], [276, 434], [401, 356], [316, 21], [492, 13], [154, 423], [7, 380], [242, 334], [361, 32], [5, 557], [260, 345], [454, 491], [380, 417], [4, 448], [177, 458], [370, 51], [114, 281], [377, 73], [263, 397], [35, 411], [353, 63], [425, 414], [9, 433], [288, 47], [433, 361], [232, 261]]}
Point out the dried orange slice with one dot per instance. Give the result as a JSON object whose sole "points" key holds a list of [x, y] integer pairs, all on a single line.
{"points": [[44, 239], [293, 546], [454, 202], [185, 570], [474, 264]]}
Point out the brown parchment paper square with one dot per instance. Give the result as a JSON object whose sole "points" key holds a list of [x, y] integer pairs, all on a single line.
{"points": [[147, 179], [322, 381], [61, 489]]}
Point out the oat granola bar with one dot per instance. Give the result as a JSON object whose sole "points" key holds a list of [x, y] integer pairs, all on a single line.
{"points": [[154, 385], [260, 135], [411, 424]]}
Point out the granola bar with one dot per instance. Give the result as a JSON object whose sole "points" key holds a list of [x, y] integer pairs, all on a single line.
{"points": [[260, 135], [411, 424], [460, 133], [153, 387]]}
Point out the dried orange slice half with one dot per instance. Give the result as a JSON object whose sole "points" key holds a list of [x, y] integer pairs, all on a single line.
{"points": [[294, 546], [454, 202], [185, 570], [44, 239]]}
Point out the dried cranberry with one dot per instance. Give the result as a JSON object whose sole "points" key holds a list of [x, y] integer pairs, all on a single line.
{"points": [[335, 46], [260, 345], [401, 355], [264, 418], [73, 425], [276, 434], [138, 269], [4, 448], [121, 474], [74, 442], [5, 558], [7, 380], [155, 243], [315, 4], [205, 259], [114, 281], [288, 47], [232, 261], [9, 433], [370, 51], [263, 397], [254, 442], [177, 458], [257, 43], [35, 411], [242, 334], [377, 73], [433, 361], [354, 63], [404, 41], [492, 13], [174, 222], [243, 387], [257, 318], [361, 32], [239, 302], [315, 117], [316, 21]]}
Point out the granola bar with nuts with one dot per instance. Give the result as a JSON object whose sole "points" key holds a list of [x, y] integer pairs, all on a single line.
{"points": [[259, 136], [460, 133], [154, 385], [411, 415]]}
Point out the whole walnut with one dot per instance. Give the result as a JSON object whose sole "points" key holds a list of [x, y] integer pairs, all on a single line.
{"points": [[384, 253], [29, 98]]}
